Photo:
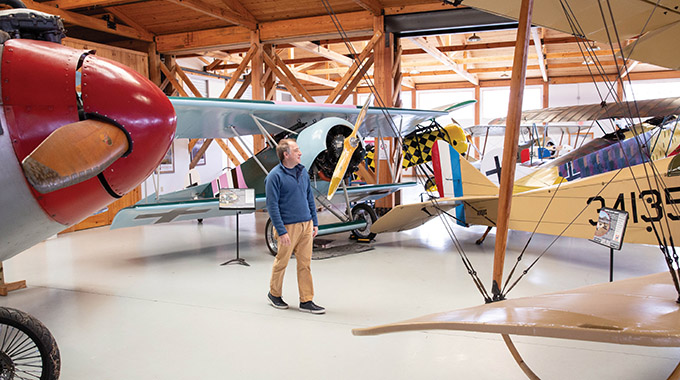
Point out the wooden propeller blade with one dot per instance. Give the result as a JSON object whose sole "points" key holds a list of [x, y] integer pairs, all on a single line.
{"points": [[349, 146], [74, 153]]}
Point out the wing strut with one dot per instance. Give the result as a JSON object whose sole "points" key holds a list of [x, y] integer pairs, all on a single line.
{"points": [[510, 144], [245, 146]]}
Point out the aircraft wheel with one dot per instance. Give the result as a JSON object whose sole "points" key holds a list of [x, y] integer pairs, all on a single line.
{"points": [[269, 238], [365, 212], [27, 348]]}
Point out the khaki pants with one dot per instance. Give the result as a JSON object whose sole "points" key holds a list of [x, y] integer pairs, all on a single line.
{"points": [[301, 243]]}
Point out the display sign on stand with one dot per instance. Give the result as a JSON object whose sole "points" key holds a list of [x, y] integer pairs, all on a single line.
{"points": [[238, 200], [609, 231]]}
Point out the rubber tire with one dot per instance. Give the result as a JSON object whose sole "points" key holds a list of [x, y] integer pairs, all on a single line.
{"points": [[269, 239], [39, 335], [360, 211]]}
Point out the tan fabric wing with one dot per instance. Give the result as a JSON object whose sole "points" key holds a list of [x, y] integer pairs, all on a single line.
{"points": [[640, 311]]}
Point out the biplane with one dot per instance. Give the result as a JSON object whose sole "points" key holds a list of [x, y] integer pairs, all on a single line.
{"points": [[461, 186], [320, 131], [642, 311]]}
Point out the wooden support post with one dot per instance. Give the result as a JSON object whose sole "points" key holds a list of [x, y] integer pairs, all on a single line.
{"points": [[384, 84], [256, 85], [510, 144], [366, 174], [478, 117], [546, 95], [269, 78], [10, 286], [396, 74], [228, 152], [243, 88], [239, 70], [293, 80], [192, 143], [154, 64], [355, 81], [171, 76], [238, 148], [378, 34], [188, 82], [200, 153]]}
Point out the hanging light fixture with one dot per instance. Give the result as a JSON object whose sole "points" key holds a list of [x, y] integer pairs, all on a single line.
{"points": [[474, 38]]}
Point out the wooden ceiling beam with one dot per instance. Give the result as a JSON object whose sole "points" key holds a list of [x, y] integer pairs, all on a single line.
{"points": [[188, 82], [300, 29], [77, 4], [128, 20], [239, 70], [372, 6], [443, 58], [221, 13], [323, 52], [539, 53], [89, 22], [240, 9], [228, 152], [170, 75], [352, 69], [200, 153], [492, 45]]}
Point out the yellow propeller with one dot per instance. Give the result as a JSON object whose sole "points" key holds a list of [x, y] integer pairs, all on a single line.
{"points": [[349, 146], [74, 153]]}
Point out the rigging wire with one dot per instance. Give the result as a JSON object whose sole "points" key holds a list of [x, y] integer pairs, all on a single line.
{"points": [[661, 239], [378, 99]]}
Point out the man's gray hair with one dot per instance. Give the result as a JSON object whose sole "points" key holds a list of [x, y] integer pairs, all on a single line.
{"points": [[284, 146]]}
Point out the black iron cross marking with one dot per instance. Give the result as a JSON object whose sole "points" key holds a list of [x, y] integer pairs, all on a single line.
{"points": [[497, 170], [571, 175], [165, 217]]}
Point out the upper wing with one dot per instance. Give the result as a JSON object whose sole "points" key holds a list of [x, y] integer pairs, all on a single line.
{"points": [[220, 118], [658, 26], [498, 129], [640, 311], [638, 109]]}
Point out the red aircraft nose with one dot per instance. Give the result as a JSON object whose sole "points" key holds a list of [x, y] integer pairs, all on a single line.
{"points": [[40, 96], [120, 94]]}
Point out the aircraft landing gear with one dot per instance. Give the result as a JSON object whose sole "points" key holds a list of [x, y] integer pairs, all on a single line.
{"points": [[269, 238], [27, 348], [365, 212], [481, 239]]}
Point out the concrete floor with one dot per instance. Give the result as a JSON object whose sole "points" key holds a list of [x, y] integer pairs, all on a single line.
{"points": [[154, 303]]}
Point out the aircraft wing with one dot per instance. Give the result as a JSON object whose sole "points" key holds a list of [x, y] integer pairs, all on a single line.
{"points": [[587, 112], [371, 192], [499, 129], [405, 217], [658, 27], [639, 311], [187, 204], [199, 202], [222, 118]]}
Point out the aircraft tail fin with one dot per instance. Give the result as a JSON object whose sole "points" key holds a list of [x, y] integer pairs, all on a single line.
{"points": [[455, 176]]}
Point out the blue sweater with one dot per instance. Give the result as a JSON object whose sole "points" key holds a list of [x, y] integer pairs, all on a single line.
{"points": [[289, 197]]}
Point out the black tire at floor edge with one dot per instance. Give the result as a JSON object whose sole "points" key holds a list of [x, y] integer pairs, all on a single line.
{"points": [[40, 336]]}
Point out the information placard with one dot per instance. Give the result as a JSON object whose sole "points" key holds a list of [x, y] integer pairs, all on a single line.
{"points": [[610, 228], [237, 199]]}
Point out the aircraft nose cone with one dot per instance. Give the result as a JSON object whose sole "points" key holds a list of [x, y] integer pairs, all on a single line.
{"points": [[120, 94]]}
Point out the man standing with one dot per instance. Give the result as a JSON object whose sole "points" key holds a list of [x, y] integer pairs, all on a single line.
{"points": [[290, 204]]}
